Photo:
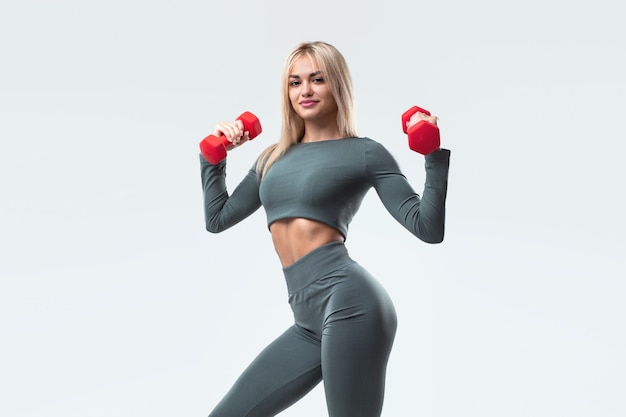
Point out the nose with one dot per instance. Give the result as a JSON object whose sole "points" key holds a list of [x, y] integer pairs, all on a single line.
{"points": [[306, 89]]}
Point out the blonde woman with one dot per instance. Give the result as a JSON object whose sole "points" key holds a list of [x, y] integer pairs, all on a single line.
{"points": [[311, 184]]}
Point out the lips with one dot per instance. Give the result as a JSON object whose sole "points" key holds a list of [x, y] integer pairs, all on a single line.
{"points": [[308, 103]]}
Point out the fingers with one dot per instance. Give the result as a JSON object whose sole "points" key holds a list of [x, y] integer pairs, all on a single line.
{"points": [[241, 140], [232, 130], [419, 116]]}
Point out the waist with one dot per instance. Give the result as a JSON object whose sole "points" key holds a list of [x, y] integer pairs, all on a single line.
{"points": [[316, 264], [295, 237]]}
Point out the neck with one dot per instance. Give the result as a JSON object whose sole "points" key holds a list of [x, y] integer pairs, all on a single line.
{"points": [[315, 133]]}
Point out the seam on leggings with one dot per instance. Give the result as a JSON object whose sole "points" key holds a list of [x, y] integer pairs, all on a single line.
{"points": [[287, 383]]}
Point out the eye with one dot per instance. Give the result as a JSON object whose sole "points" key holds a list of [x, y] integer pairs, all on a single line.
{"points": [[294, 83], [318, 80]]}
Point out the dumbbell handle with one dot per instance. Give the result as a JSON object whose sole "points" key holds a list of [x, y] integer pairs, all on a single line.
{"points": [[213, 148], [423, 136]]}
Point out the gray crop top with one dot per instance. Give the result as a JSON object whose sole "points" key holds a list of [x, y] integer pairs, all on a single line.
{"points": [[326, 181]]}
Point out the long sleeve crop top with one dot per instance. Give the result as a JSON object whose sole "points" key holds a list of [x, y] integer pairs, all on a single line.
{"points": [[326, 181]]}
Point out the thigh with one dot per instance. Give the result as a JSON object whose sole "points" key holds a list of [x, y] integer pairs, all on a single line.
{"points": [[280, 375], [356, 342]]}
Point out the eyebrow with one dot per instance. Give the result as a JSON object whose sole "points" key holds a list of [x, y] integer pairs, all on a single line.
{"points": [[310, 75]]}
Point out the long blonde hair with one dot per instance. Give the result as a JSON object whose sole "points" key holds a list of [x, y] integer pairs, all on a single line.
{"points": [[337, 76]]}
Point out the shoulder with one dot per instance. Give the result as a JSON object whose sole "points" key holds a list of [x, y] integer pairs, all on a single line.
{"points": [[367, 145], [375, 148], [377, 156]]}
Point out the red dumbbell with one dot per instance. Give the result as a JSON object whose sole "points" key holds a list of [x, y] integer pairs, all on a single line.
{"points": [[423, 135], [213, 148]]}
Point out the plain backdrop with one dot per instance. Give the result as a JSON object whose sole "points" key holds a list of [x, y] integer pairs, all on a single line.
{"points": [[115, 301]]}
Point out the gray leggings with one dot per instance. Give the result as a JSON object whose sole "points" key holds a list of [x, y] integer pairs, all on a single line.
{"points": [[344, 328]]}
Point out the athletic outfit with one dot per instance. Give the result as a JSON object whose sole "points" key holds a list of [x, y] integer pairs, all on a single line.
{"points": [[344, 321]]}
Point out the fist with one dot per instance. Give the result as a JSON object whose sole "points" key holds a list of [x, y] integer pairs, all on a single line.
{"points": [[419, 116], [234, 133]]}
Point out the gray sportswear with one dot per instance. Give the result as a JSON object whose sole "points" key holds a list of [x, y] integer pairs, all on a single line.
{"points": [[326, 181], [344, 320]]}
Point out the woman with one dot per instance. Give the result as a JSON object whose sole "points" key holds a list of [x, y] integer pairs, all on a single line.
{"points": [[311, 183]]}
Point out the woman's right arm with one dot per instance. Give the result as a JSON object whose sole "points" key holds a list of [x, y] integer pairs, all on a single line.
{"points": [[222, 210]]}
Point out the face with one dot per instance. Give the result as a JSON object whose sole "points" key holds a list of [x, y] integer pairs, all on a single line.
{"points": [[309, 94]]}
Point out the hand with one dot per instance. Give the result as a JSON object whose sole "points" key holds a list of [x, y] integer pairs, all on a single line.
{"points": [[418, 116], [234, 133]]}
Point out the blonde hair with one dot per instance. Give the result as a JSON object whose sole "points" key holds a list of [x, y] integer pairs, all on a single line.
{"points": [[337, 76]]}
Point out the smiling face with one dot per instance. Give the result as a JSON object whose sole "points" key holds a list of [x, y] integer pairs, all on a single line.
{"points": [[309, 93]]}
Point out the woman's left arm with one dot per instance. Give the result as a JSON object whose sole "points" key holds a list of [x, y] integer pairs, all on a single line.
{"points": [[423, 216]]}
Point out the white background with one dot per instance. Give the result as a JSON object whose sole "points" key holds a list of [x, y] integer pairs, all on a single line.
{"points": [[114, 301]]}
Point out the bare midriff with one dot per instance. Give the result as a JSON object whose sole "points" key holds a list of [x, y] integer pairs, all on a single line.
{"points": [[295, 237]]}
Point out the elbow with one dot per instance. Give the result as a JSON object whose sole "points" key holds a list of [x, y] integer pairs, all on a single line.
{"points": [[433, 236], [434, 240], [214, 227], [431, 229]]}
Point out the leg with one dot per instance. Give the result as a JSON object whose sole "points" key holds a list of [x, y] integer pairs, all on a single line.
{"points": [[282, 374], [356, 342]]}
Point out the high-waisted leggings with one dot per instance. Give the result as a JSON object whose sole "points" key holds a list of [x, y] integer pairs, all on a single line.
{"points": [[344, 328]]}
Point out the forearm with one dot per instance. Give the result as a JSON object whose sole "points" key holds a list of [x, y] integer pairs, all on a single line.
{"points": [[222, 210], [423, 216], [432, 210]]}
